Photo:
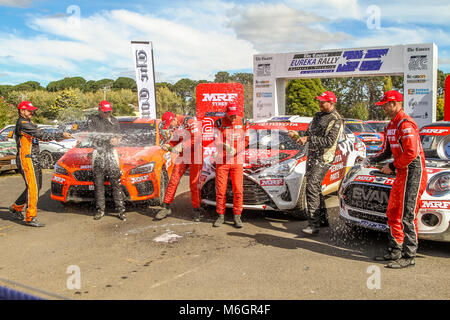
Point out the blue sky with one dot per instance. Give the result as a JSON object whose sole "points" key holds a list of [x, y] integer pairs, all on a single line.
{"points": [[43, 40]]}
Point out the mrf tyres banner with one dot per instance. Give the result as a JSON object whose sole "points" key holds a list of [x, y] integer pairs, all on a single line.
{"points": [[145, 78], [212, 101]]}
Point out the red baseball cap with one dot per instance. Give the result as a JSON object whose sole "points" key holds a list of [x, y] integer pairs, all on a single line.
{"points": [[327, 96], [167, 118], [26, 105], [232, 109], [392, 95], [105, 106]]}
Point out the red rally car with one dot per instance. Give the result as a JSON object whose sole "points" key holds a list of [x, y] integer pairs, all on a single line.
{"points": [[146, 168]]}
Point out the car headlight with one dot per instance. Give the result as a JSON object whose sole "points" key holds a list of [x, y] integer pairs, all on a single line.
{"points": [[146, 168], [60, 170], [281, 170], [439, 185], [351, 173]]}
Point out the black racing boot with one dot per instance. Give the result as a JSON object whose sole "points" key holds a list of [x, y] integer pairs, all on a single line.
{"points": [[166, 211], [122, 215], [237, 221], [34, 223], [311, 230], [220, 220], [99, 214], [197, 214], [401, 263], [17, 214], [391, 255]]}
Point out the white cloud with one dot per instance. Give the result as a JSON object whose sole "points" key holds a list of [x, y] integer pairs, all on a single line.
{"points": [[16, 3], [279, 28], [333, 9]]}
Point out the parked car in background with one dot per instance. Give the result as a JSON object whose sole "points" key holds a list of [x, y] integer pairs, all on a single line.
{"points": [[8, 152], [51, 151], [366, 134], [275, 166], [378, 126], [365, 192], [146, 168], [7, 132]]}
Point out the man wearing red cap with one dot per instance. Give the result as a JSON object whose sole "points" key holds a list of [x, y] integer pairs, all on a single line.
{"points": [[105, 160], [27, 136], [322, 135], [402, 142], [182, 135], [230, 141]]}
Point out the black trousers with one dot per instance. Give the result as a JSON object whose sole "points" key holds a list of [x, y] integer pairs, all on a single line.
{"points": [[106, 168], [315, 202]]}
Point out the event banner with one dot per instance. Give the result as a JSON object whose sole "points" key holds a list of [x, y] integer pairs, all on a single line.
{"points": [[420, 82], [145, 78], [416, 63], [212, 100]]}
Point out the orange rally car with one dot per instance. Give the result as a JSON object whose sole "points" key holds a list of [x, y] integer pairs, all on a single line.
{"points": [[146, 168]]}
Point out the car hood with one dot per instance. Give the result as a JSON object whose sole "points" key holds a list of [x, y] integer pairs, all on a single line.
{"points": [[368, 136], [128, 156]]}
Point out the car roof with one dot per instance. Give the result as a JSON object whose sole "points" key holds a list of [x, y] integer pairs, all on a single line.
{"points": [[438, 124]]}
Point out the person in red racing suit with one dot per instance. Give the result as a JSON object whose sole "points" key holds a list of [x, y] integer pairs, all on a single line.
{"points": [[27, 135], [402, 141], [230, 142], [182, 135]]}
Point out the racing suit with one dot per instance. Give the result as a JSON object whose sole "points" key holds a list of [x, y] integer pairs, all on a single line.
{"points": [[323, 135], [191, 157], [402, 141], [105, 160], [230, 143], [27, 135]]}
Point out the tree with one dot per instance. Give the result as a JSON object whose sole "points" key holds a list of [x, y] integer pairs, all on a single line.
{"points": [[125, 83], [7, 112], [243, 78], [185, 89], [67, 99], [358, 111], [300, 96], [90, 86], [441, 82], [222, 77], [440, 109], [66, 83], [166, 100]]}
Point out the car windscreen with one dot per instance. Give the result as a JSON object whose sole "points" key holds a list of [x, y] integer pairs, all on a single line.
{"points": [[430, 146], [377, 126], [133, 135], [273, 140], [355, 127], [368, 128]]}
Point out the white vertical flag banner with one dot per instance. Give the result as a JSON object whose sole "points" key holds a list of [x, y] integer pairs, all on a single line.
{"points": [[145, 78]]}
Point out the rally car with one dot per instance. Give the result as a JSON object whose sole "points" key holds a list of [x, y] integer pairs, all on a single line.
{"points": [[365, 192], [8, 152], [378, 126], [275, 165], [366, 134], [145, 167]]}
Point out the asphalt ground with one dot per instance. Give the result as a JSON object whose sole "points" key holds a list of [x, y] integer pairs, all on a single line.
{"points": [[76, 257]]}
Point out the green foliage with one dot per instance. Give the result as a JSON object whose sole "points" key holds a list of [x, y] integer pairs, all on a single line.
{"points": [[222, 77], [66, 99], [358, 111], [440, 108], [125, 83], [166, 100], [300, 96], [66, 83], [7, 112]]}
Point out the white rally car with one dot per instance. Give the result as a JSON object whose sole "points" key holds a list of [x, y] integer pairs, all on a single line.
{"points": [[275, 166], [364, 193]]}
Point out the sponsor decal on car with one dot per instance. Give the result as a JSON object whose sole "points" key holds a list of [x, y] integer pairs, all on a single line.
{"points": [[86, 167], [435, 131], [58, 179], [271, 182], [135, 180], [430, 204], [374, 225]]}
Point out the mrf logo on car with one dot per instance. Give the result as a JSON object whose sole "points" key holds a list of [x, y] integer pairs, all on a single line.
{"points": [[338, 61]]}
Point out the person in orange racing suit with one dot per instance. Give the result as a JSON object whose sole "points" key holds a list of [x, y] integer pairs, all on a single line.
{"points": [[182, 135], [27, 135], [402, 141], [230, 141]]}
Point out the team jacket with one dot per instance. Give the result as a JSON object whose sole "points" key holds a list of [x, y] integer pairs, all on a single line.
{"points": [[402, 141], [323, 135], [27, 138], [231, 136]]}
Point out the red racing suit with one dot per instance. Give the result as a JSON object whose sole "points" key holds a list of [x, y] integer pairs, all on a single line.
{"points": [[230, 142], [188, 133], [402, 141]]}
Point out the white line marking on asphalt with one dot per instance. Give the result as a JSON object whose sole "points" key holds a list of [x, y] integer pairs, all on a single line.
{"points": [[139, 230]]}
